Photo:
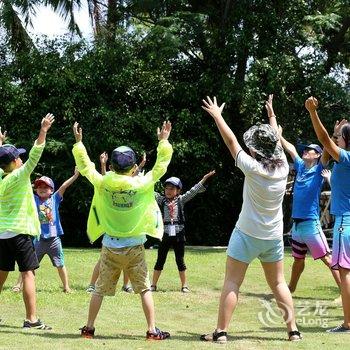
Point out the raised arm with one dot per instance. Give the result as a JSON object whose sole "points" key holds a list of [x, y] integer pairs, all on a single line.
{"points": [[140, 167], [164, 153], [36, 151], [82, 160], [311, 105], [45, 126], [226, 133], [271, 113], [207, 176], [68, 182], [2, 136], [287, 145], [103, 162]]}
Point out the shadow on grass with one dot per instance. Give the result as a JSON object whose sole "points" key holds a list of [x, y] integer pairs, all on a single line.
{"points": [[265, 296], [52, 335], [189, 336], [269, 296]]}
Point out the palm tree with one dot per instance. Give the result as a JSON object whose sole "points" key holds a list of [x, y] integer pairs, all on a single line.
{"points": [[16, 33]]}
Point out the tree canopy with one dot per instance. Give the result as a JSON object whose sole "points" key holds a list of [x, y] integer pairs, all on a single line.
{"points": [[155, 60]]}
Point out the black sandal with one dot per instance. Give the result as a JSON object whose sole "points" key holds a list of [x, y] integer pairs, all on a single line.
{"points": [[217, 337], [294, 333]]}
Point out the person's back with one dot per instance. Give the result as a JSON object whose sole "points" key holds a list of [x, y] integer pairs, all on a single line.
{"points": [[124, 206], [263, 192], [124, 210], [122, 202]]}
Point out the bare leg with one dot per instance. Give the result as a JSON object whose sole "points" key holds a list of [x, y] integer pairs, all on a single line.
{"points": [[95, 273], [156, 275], [148, 309], [3, 277], [94, 308], [328, 262], [62, 271], [275, 279], [235, 272], [345, 294], [183, 280], [29, 296], [297, 270], [126, 280]]}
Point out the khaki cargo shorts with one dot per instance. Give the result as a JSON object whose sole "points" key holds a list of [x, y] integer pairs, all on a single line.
{"points": [[114, 261]]}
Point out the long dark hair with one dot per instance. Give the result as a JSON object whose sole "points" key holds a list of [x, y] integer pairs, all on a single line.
{"points": [[270, 164], [345, 133]]}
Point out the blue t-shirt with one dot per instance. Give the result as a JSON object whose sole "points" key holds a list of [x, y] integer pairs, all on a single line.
{"points": [[340, 185], [307, 190], [49, 216]]}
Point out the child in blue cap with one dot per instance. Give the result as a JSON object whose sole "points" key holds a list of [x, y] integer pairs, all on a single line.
{"points": [[19, 219], [171, 205]]}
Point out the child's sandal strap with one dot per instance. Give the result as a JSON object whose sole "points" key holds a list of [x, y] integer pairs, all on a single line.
{"points": [[217, 335], [294, 333]]}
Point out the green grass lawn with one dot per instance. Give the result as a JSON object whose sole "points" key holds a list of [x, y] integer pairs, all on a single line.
{"points": [[121, 324]]}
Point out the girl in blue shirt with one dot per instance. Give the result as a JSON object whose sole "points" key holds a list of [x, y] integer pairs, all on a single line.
{"points": [[339, 148]]}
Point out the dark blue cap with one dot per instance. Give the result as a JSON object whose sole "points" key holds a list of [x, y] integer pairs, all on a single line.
{"points": [[313, 146], [9, 153], [174, 181], [123, 158]]}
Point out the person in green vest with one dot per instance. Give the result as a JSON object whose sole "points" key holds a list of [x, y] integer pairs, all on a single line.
{"points": [[123, 210], [19, 221]]}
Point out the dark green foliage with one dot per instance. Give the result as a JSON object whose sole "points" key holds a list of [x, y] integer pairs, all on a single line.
{"points": [[158, 64]]}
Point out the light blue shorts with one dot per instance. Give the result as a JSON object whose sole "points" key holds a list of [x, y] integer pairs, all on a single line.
{"points": [[341, 242], [246, 248]]}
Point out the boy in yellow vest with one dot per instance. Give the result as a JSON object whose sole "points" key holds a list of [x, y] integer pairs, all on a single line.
{"points": [[123, 209]]}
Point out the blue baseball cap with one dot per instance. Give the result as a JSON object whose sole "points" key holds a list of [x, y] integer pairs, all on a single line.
{"points": [[313, 146], [174, 181], [44, 180], [9, 153], [123, 158]]}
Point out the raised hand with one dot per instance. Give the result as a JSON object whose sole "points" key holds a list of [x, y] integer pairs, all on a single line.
{"points": [[311, 104], [269, 107], [207, 176], [76, 172], [338, 126], [78, 132], [326, 174], [164, 132], [280, 131], [2, 136], [103, 158], [212, 107], [47, 121], [143, 161]]}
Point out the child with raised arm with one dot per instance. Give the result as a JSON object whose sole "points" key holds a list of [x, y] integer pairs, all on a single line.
{"points": [[171, 205], [123, 209], [19, 219], [47, 203], [126, 287], [307, 232], [338, 147]]}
